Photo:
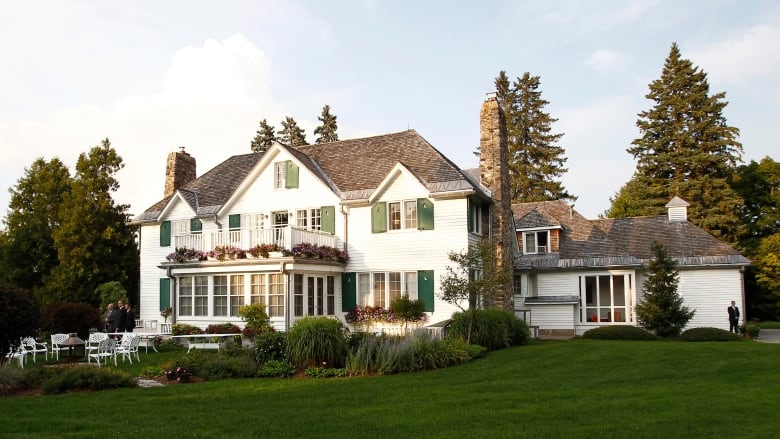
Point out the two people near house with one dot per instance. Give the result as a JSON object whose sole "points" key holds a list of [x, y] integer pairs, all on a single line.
{"points": [[733, 318]]}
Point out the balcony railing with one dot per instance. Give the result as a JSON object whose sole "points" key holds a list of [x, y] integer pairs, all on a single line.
{"points": [[285, 237]]}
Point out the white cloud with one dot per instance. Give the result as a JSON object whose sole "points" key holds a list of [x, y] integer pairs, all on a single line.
{"points": [[751, 54], [212, 98], [605, 60]]}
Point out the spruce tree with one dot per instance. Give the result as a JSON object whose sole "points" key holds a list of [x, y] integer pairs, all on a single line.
{"points": [[291, 134], [535, 160], [327, 131], [661, 310], [687, 149], [264, 139]]}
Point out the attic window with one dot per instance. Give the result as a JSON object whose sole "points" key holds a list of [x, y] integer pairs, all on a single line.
{"points": [[280, 175], [535, 242]]}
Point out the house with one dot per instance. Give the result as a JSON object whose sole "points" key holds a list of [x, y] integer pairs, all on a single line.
{"points": [[360, 221], [575, 274]]}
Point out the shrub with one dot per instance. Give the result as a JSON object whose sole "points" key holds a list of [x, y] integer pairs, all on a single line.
{"points": [[314, 340], [492, 328], [408, 310], [185, 329], [619, 332], [70, 317], [270, 346], [255, 318], [20, 316], [751, 330], [222, 328], [325, 372], [91, 378], [11, 379], [276, 368], [708, 334], [221, 366]]}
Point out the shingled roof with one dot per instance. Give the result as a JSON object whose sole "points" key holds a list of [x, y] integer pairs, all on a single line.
{"points": [[622, 242], [353, 169]]}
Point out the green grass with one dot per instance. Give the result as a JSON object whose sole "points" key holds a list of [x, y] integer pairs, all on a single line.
{"points": [[563, 389], [769, 325]]}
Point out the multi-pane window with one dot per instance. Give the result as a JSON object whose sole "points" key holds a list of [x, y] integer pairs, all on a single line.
{"points": [[193, 295], [257, 289], [280, 175], [236, 293], [298, 295], [606, 298], [402, 214], [276, 295], [201, 302], [185, 296], [309, 219], [536, 242], [475, 218], [378, 289], [220, 295]]}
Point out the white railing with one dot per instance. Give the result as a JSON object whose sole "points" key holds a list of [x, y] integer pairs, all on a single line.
{"points": [[285, 237]]}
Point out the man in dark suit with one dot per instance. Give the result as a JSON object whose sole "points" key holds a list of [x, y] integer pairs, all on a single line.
{"points": [[130, 323], [110, 318], [733, 318], [121, 319]]}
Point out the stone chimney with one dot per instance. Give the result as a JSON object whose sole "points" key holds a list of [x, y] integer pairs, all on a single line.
{"points": [[494, 175], [179, 170]]}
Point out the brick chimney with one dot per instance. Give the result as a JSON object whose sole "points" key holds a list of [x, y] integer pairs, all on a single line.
{"points": [[179, 170], [494, 175]]}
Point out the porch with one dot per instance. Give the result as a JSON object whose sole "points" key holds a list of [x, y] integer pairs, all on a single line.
{"points": [[245, 238]]}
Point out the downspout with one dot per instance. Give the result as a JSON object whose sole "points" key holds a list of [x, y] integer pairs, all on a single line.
{"points": [[345, 213], [171, 296]]}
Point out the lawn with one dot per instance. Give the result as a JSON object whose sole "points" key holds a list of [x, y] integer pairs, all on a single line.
{"points": [[555, 389]]}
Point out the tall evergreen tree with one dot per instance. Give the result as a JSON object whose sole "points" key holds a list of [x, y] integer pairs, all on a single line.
{"points": [[688, 149], [327, 131], [661, 309], [264, 137], [94, 242], [291, 134], [535, 160], [28, 253]]}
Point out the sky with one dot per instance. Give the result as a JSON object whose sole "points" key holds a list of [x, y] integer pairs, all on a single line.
{"points": [[152, 76]]}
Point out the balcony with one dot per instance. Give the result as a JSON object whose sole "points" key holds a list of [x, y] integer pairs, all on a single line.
{"points": [[285, 237]]}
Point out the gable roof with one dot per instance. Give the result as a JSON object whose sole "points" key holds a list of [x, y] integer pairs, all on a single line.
{"points": [[622, 242], [352, 169]]}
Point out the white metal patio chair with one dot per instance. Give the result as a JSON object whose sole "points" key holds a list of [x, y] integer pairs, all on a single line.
{"points": [[16, 353], [91, 345], [128, 347], [56, 340], [106, 349], [31, 346]]}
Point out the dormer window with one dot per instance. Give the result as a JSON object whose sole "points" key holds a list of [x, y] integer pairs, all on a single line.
{"points": [[280, 175], [536, 242]]}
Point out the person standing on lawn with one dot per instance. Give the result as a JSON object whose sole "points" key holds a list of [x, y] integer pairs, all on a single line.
{"points": [[733, 318], [121, 319], [130, 316]]}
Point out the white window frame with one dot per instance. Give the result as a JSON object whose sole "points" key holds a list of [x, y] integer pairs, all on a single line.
{"points": [[600, 299], [475, 224], [405, 212], [280, 175], [380, 288], [536, 248], [309, 219]]}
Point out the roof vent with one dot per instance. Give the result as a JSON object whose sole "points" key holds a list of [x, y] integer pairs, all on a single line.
{"points": [[677, 209]]}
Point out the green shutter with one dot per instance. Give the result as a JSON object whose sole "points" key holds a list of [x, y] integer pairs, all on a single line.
{"points": [[379, 218], [196, 225], [165, 292], [425, 288], [424, 214], [234, 221], [328, 219], [348, 292], [165, 234], [291, 180]]}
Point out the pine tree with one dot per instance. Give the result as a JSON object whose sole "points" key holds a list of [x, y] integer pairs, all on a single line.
{"points": [[535, 160], [661, 310], [688, 149], [291, 134], [264, 139], [327, 131]]}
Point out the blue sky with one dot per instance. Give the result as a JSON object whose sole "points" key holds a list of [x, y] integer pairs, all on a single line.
{"points": [[152, 76]]}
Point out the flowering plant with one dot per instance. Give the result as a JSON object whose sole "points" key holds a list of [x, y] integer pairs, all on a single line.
{"points": [[166, 312], [368, 314], [180, 375], [307, 250], [183, 254], [264, 250], [222, 253]]}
